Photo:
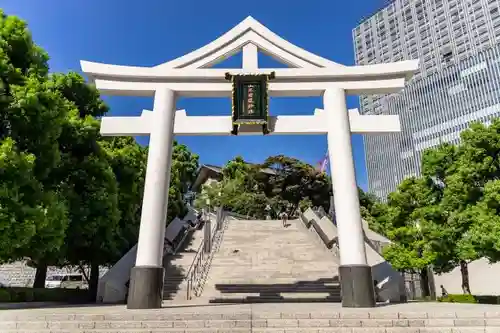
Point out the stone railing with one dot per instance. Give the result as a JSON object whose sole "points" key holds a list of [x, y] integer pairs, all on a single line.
{"points": [[312, 227], [323, 229], [393, 288]]}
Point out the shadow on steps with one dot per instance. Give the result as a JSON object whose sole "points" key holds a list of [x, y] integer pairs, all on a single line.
{"points": [[300, 291], [176, 267]]}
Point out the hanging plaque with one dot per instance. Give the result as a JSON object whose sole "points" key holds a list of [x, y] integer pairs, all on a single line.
{"points": [[250, 102]]}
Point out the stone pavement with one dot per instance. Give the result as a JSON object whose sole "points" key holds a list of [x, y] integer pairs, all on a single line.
{"points": [[282, 318]]}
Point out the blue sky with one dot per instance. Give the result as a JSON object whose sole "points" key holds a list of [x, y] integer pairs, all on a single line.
{"points": [[150, 32]]}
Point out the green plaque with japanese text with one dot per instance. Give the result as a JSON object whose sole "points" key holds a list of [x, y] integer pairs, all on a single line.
{"points": [[250, 102]]}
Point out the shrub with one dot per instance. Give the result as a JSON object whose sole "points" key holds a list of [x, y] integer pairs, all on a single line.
{"points": [[21, 294], [4, 296], [458, 298], [488, 299]]}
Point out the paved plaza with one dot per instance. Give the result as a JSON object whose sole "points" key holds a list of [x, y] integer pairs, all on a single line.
{"points": [[284, 318]]}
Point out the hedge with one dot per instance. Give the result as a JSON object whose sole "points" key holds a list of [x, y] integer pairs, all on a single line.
{"points": [[16, 295], [462, 298]]}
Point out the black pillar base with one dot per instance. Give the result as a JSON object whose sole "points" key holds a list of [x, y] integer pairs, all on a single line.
{"points": [[357, 287], [146, 288]]}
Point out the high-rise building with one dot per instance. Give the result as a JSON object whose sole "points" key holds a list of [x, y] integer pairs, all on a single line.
{"points": [[458, 81]]}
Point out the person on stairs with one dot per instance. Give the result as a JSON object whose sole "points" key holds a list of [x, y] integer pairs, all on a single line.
{"points": [[284, 218]]}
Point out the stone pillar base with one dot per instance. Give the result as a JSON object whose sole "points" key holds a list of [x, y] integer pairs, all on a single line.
{"points": [[357, 287], [146, 288]]}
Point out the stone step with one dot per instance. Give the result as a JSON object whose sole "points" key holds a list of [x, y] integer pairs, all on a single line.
{"points": [[284, 276], [173, 278], [180, 262], [284, 325], [174, 284], [282, 317], [288, 298], [277, 288], [251, 255], [285, 329], [277, 265]]}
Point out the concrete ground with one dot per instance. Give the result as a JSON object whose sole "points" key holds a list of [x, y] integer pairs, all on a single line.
{"points": [[273, 310], [256, 318]]}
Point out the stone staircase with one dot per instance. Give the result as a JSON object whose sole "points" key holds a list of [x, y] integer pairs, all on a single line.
{"points": [[261, 261], [177, 265]]}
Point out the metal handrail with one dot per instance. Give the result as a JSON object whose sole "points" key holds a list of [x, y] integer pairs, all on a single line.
{"points": [[216, 242], [194, 269], [200, 264], [197, 265]]}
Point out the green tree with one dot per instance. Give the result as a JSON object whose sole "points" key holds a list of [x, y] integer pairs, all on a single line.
{"points": [[67, 195], [460, 185], [476, 165], [86, 181], [280, 183], [407, 221], [91, 189], [27, 213], [483, 238], [183, 172], [110, 173], [231, 194], [237, 167], [128, 162], [32, 112], [294, 181], [185, 164]]}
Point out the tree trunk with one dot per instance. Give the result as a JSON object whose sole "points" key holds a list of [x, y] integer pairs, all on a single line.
{"points": [[432, 283], [464, 269], [40, 275], [424, 282], [94, 281]]}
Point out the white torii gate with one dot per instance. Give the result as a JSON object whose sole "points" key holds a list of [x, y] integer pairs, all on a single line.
{"points": [[308, 75]]}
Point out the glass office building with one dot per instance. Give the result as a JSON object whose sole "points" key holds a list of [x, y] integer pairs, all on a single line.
{"points": [[432, 110], [458, 81]]}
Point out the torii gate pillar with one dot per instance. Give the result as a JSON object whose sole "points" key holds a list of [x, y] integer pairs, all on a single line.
{"points": [[310, 75], [146, 278], [355, 273]]}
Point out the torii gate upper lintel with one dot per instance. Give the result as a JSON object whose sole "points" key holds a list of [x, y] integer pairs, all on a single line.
{"points": [[190, 75]]}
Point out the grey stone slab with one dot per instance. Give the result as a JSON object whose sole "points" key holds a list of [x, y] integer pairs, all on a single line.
{"points": [[325, 315], [475, 322], [268, 330], [377, 323], [368, 330], [435, 330], [314, 323], [335, 330], [282, 323], [413, 315], [468, 329], [345, 322], [383, 315], [402, 330], [442, 322], [492, 322]]}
